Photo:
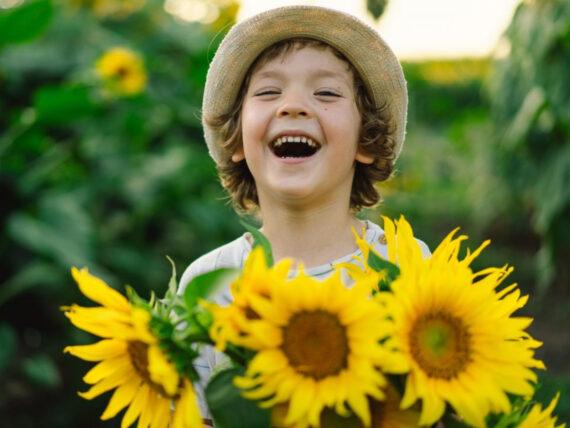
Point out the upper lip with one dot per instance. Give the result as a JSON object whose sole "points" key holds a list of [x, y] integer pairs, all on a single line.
{"points": [[294, 133]]}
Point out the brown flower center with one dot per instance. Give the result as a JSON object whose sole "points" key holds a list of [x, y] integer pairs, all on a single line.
{"points": [[316, 344], [122, 72], [441, 344], [138, 352]]}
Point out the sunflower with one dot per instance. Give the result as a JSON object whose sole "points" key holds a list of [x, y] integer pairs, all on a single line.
{"points": [[359, 267], [130, 360], [122, 70], [456, 330], [538, 418], [116, 8], [383, 414], [318, 345], [255, 280]]}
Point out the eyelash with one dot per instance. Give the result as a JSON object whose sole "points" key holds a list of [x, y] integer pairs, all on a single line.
{"points": [[328, 93], [322, 93]]}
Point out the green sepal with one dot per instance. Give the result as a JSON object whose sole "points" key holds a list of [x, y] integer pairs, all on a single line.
{"points": [[204, 285], [379, 264], [171, 302], [229, 409], [259, 239], [137, 300]]}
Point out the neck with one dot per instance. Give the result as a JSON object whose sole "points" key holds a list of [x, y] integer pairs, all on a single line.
{"points": [[313, 236]]}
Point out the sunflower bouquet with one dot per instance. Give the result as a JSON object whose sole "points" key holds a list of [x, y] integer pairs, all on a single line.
{"points": [[399, 342]]}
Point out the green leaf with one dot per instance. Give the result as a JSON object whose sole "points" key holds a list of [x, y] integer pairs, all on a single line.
{"points": [[203, 285], [8, 343], [42, 371], [379, 264], [259, 239], [62, 231], [63, 104], [229, 408], [376, 7], [26, 22]]}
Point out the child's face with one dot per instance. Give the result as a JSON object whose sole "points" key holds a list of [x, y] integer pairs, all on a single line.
{"points": [[308, 93]]}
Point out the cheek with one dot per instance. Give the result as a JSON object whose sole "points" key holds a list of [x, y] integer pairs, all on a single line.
{"points": [[254, 122], [346, 124]]}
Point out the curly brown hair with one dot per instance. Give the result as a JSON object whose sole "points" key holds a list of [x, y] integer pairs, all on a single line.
{"points": [[376, 137]]}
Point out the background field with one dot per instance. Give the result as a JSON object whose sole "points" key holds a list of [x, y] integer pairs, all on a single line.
{"points": [[93, 177]]}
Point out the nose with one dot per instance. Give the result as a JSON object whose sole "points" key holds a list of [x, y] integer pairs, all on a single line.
{"points": [[292, 106]]}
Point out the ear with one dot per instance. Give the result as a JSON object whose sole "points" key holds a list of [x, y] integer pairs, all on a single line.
{"points": [[238, 155], [363, 157]]}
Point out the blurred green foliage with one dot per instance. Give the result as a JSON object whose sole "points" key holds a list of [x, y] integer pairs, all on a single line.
{"points": [[93, 179], [116, 183], [531, 110]]}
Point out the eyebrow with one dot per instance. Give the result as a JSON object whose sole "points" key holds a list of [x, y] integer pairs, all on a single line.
{"points": [[320, 72]]}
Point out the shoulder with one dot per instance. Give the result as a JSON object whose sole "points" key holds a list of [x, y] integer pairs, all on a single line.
{"points": [[230, 255], [375, 236]]}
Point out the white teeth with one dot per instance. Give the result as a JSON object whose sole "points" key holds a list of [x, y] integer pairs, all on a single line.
{"points": [[295, 139]]}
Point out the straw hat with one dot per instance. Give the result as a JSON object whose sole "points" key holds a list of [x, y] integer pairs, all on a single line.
{"points": [[359, 43]]}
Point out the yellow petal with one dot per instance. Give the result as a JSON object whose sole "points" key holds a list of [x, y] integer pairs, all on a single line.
{"points": [[107, 384], [107, 368], [161, 416], [270, 360], [148, 410], [162, 371], [102, 350], [101, 322], [300, 401], [187, 413], [432, 409], [122, 396], [140, 402], [390, 234], [98, 291]]}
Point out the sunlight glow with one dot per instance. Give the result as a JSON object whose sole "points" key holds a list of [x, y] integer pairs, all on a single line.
{"points": [[193, 10], [419, 29]]}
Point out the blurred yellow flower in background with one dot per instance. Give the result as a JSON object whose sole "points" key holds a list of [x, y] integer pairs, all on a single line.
{"points": [[129, 360], [117, 9], [122, 71]]}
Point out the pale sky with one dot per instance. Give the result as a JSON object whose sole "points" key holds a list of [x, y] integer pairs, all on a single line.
{"points": [[423, 29]]}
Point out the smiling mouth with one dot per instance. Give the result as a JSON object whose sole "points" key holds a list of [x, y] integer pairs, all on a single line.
{"points": [[294, 147]]}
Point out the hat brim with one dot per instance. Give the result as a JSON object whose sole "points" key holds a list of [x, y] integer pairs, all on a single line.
{"points": [[360, 44]]}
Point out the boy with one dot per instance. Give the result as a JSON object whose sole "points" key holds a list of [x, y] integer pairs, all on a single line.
{"points": [[304, 109]]}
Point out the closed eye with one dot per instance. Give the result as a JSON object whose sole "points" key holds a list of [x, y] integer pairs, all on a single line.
{"points": [[327, 94], [268, 92]]}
